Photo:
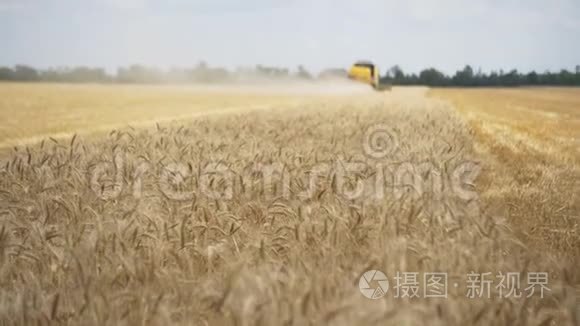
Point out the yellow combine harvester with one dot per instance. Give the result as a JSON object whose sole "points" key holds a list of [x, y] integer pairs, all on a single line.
{"points": [[368, 73]]}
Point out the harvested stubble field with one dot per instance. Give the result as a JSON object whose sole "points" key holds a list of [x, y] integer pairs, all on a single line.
{"points": [[114, 228]]}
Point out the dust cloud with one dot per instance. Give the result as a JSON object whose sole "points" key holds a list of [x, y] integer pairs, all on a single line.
{"points": [[319, 87]]}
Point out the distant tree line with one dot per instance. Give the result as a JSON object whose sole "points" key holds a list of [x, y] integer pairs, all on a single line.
{"points": [[467, 77], [203, 73]]}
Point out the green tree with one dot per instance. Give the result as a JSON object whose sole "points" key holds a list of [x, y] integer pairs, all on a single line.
{"points": [[25, 73], [397, 73], [532, 78], [6, 73], [464, 77], [432, 77]]}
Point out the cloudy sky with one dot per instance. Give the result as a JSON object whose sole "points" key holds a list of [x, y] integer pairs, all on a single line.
{"points": [[446, 34]]}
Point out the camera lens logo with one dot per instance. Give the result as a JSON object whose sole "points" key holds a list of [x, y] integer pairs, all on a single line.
{"points": [[380, 141], [373, 284]]}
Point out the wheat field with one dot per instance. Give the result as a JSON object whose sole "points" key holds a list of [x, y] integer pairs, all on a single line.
{"points": [[530, 139], [253, 216]]}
